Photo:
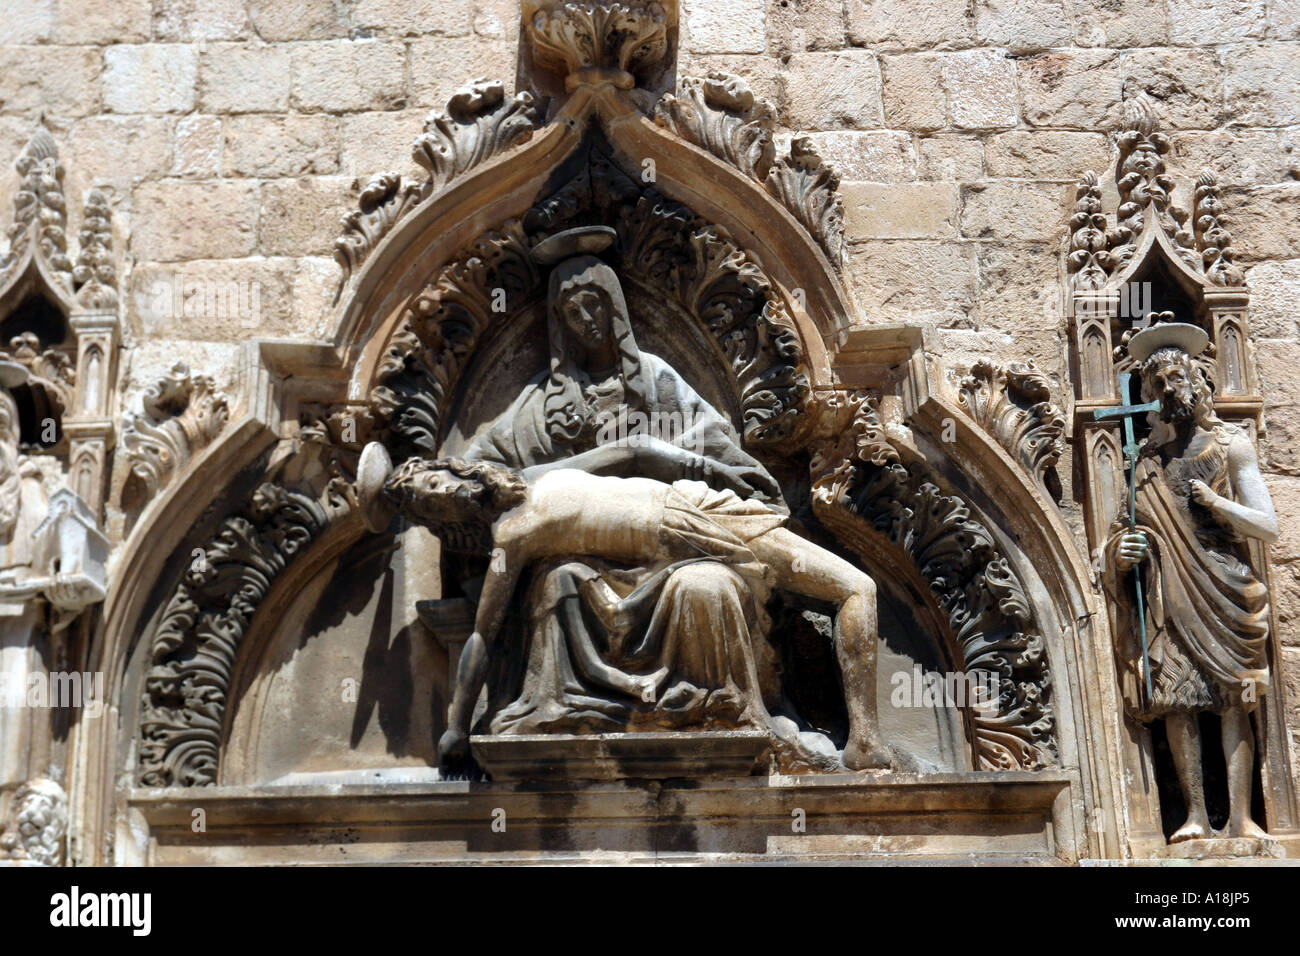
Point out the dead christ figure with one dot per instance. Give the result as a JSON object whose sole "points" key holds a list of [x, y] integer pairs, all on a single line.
{"points": [[546, 511]]}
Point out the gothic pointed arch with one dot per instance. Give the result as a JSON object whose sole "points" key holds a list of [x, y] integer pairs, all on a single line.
{"points": [[945, 480]]}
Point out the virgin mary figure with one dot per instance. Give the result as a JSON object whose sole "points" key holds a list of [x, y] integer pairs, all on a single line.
{"points": [[595, 630]]}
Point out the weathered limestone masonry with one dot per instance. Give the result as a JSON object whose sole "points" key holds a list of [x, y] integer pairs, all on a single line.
{"points": [[208, 150]]}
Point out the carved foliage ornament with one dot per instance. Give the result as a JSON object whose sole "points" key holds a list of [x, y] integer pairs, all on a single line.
{"points": [[862, 488], [480, 122], [661, 244], [40, 209], [1098, 251], [183, 413], [94, 275], [718, 113], [1014, 405], [41, 214], [626, 37], [194, 646], [1212, 237]]}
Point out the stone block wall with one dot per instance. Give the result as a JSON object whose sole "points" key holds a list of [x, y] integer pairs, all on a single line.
{"points": [[233, 134]]}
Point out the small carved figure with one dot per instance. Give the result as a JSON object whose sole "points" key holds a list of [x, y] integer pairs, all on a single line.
{"points": [[39, 824], [1199, 495], [549, 511]]}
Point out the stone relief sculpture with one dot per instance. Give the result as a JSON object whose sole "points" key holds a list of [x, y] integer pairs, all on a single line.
{"points": [[1199, 496], [548, 512], [618, 578], [50, 553], [598, 375], [38, 824]]}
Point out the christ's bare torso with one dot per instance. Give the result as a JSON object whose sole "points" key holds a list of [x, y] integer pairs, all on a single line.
{"points": [[618, 518]]}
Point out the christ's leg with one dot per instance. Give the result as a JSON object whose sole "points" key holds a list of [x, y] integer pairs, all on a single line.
{"points": [[1185, 744], [453, 747], [1239, 755], [804, 568]]}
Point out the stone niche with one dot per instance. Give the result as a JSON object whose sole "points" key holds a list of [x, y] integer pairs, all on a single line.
{"points": [[886, 644]]}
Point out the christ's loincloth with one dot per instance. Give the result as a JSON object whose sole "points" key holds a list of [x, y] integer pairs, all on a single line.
{"points": [[700, 521]]}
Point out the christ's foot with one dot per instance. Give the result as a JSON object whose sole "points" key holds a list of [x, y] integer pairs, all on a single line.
{"points": [[1196, 828], [866, 756]]}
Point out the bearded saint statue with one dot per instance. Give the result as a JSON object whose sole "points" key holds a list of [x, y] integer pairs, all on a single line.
{"points": [[1199, 497]]}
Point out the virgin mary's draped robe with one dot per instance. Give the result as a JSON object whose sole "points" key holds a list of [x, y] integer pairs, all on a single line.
{"points": [[700, 619]]}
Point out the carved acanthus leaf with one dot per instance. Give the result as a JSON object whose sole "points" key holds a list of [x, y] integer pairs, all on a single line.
{"points": [[383, 200], [1014, 405], [629, 36], [835, 461], [440, 329], [183, 413], [193, 648], [809, 188], [1088, 260], [1212, 237], [40, 209], [480, 122], [719, 113], [95, 276], [865, 494]]}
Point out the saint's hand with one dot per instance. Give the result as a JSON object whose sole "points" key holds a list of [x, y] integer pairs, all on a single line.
{"points": [[1133, 549], [1202, 494]]}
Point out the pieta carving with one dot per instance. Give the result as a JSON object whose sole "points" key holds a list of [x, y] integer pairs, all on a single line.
{"points": [[660, 243]]}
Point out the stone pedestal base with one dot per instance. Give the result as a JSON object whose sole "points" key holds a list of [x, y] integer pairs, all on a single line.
{"points": [[971, 818], [1224, 848], [644, 756]]}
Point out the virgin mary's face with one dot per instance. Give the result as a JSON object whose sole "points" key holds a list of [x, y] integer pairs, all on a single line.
{"points": [[586, 315]]}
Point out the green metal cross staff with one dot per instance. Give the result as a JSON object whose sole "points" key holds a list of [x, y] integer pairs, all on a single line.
{"points": [[1131, 450]]}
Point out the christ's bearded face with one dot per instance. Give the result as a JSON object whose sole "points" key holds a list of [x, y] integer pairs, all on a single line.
{"points": [[441, 496]]}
